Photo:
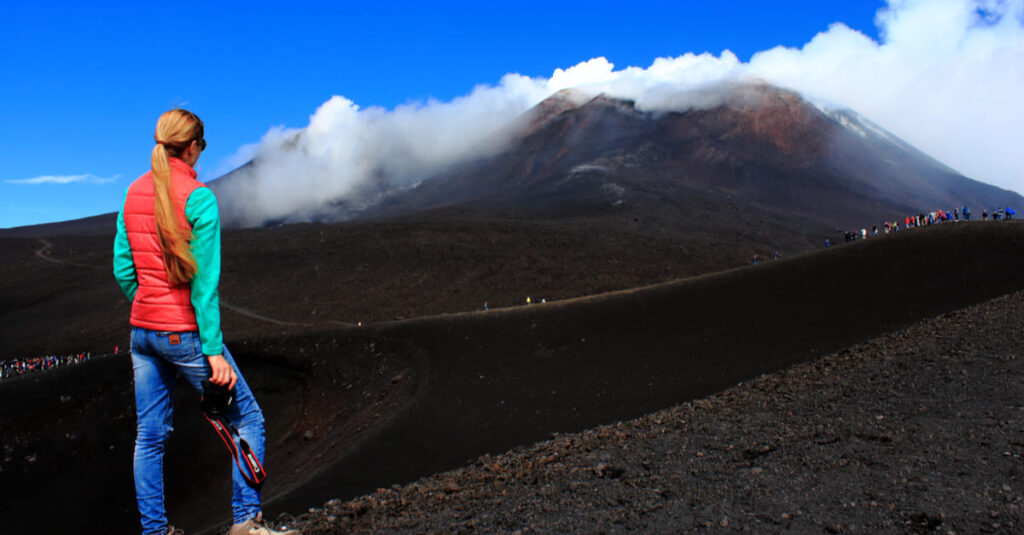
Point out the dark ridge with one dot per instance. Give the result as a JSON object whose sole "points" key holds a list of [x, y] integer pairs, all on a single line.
{"points": [[98, 224]]}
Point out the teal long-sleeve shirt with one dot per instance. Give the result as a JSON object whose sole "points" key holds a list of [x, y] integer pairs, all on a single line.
{"points": [[202, 213]]}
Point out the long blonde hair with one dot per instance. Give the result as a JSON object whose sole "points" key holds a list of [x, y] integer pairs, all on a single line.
{"points": [[175, 131]]}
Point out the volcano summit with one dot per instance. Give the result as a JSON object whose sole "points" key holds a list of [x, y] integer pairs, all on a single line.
{"points": [[751, 147]]}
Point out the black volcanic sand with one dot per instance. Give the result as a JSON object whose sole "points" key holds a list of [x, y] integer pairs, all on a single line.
{"points": [[354, 409], [919, 431]]}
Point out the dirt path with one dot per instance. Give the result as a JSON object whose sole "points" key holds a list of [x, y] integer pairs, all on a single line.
{"points": [[249, 313], [43, 253]]}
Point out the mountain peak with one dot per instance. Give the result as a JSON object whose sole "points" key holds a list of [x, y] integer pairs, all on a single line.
{"points": [[749, 146], [604, 99]]}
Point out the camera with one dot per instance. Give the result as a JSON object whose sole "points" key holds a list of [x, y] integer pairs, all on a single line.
{"points": [[216, 398]]}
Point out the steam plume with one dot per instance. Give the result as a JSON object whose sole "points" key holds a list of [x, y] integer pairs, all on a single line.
{"points": [[947, 76]]}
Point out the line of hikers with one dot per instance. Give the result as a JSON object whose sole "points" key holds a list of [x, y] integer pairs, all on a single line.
{"points": [[925, 219], [20, 366]]}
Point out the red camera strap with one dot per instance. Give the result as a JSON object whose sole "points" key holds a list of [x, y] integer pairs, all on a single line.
{"points": [[248, 465]]}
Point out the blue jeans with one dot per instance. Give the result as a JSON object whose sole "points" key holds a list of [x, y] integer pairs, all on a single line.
{"points": [[157, 358]]}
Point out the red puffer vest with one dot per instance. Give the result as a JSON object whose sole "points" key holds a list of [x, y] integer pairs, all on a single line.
{"points": [[158, 305]]}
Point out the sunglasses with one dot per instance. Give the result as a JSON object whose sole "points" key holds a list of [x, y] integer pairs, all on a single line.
{"points": [[202, 144]]}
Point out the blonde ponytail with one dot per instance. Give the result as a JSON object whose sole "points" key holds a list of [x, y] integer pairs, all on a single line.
{"points": [[175, 131]]}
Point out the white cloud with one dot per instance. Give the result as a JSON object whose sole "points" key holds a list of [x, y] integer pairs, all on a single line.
{"points": [[64, 179], [947, 77]]}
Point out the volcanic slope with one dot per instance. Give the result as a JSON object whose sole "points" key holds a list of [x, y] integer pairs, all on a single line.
{"points": [[61, 297], [763, 156], [353, 409]]}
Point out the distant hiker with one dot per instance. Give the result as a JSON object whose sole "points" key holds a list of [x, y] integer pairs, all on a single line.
{"points": [[1010, 213], [169, 228], [984, 215], [527, 300], [967, 214], [827, 243], [485, 306]]}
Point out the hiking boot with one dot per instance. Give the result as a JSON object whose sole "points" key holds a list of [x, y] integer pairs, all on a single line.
{"points": [[256, 526]]}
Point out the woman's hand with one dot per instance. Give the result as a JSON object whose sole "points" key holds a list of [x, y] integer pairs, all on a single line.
{"points": [[221, 372]]}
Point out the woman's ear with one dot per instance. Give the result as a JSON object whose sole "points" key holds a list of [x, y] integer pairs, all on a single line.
{"points": [[192, 152]]}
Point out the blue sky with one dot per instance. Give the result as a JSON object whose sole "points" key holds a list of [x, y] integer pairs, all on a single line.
{"points": [[81, 85]]}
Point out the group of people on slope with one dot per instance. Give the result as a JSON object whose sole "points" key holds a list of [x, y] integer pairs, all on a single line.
{"points": [[924, 219], [20, 366], [999, 214]]}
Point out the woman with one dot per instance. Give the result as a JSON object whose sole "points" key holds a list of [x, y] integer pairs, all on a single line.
{"points": [[167, 261]]}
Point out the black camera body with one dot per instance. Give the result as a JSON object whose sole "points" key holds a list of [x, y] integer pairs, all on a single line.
{"points": [[216, 399]]}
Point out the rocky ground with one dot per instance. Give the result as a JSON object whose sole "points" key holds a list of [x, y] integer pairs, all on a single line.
{"points": [[920, 431]]}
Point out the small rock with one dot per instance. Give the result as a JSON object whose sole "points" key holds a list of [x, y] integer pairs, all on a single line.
{"points": [[606, 470]]}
